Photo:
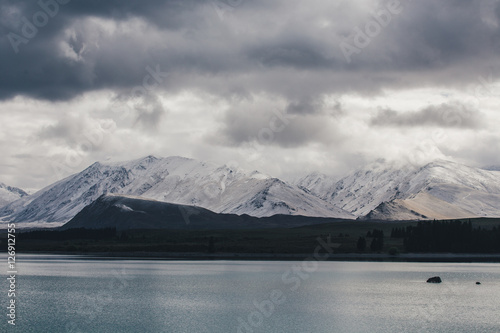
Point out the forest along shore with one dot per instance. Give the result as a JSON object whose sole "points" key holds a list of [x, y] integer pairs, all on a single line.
{"points": [[429, 241]]}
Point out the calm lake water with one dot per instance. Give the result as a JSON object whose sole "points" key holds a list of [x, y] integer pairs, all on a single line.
{"points": [[75, 294]]}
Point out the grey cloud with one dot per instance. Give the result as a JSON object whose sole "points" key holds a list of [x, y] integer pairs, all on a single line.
{"points": [[67, 130], [274, 127], [444, 115], [300, 54], [149, 112], [75, 132], [314, 105], [306, 106]]}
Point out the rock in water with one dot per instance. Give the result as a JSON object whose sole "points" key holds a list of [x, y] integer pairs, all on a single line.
{"points": [[434, 279]]}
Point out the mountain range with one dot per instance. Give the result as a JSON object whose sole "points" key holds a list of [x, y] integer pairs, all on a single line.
{"points": [[440, 190], [176, 180], [381, 190]]}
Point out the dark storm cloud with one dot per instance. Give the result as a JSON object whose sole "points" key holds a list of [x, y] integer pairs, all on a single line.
{"points": [[281, 47], [444, 115], [166, 13], [111, 61]]}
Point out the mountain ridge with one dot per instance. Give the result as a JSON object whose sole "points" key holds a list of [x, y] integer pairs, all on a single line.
{"points": [[440, 189], [175, 179]]}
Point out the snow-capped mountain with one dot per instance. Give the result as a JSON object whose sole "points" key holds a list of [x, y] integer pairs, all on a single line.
{"points": [[441, 189], [359, 192], [10, 194], [177, 180]]}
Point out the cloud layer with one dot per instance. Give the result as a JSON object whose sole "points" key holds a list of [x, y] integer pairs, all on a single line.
{"points": [[320, 83]]}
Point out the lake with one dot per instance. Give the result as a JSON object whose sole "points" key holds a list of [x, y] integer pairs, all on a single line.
{"points": [[77, 294]]}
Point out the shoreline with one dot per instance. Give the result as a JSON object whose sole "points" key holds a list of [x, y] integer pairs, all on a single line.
{"points": [[373, 257]]}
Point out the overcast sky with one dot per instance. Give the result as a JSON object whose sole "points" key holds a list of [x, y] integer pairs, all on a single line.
{"points": [[285, 87]]}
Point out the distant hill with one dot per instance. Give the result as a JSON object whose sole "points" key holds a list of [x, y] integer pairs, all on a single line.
{"points": [[123, 213]]}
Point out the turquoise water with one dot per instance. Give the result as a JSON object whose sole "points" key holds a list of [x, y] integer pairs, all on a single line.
{"points": [[75, 294]]}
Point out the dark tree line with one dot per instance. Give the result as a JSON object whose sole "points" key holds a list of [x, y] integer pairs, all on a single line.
{"points": [[361, 244], [400, 232], [377, 242], [450, 236], [70, 234]]}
